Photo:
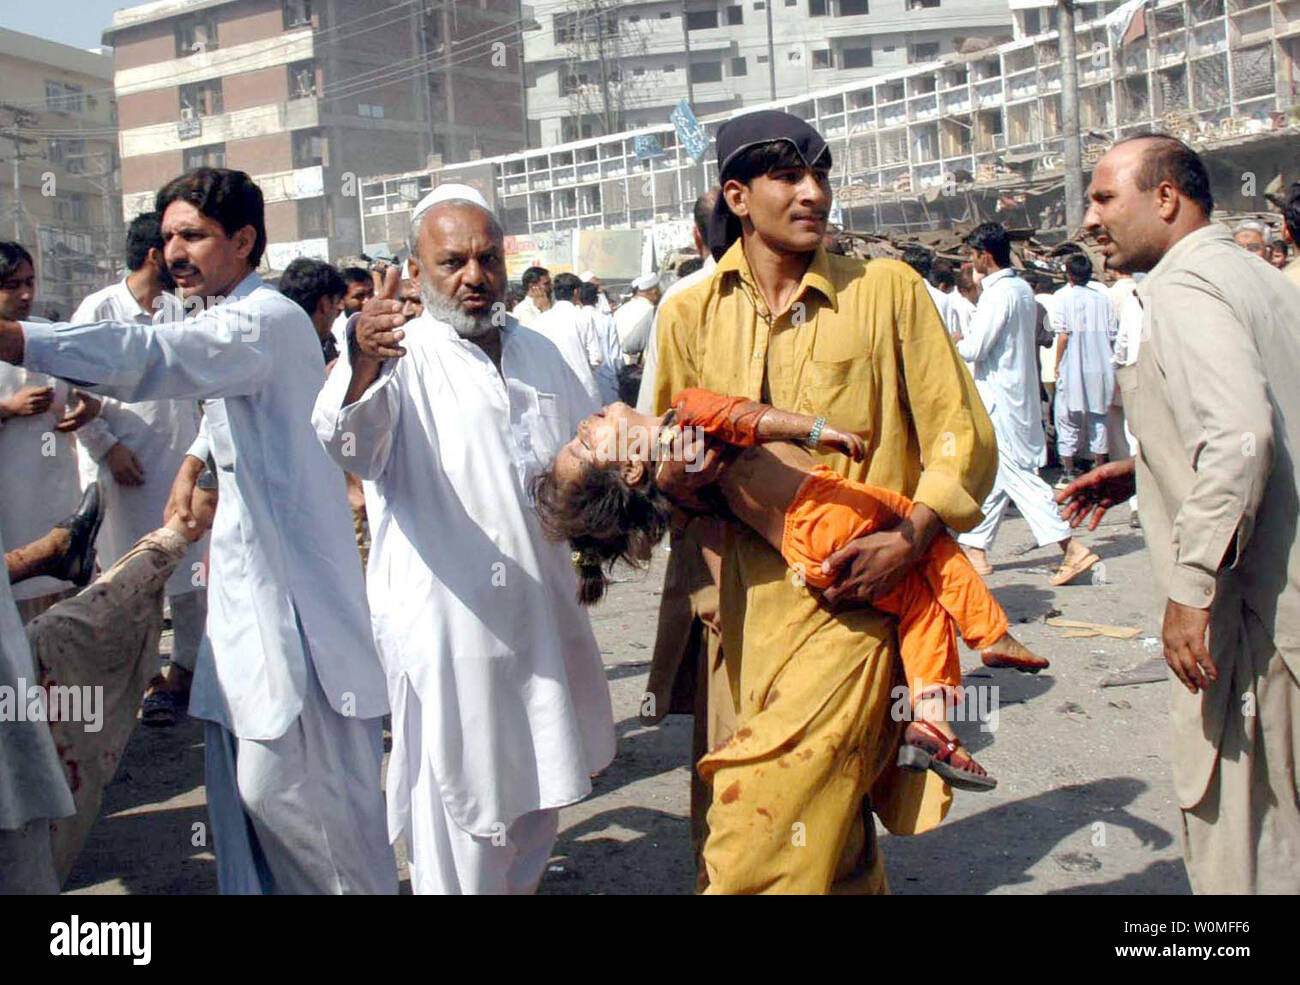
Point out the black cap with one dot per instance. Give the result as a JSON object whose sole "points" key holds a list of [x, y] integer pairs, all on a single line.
{"points": [[737, 136]]}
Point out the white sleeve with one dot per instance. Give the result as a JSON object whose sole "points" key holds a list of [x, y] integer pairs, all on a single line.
{"points": [[359, 436], [201, 447], [96, 437], [223, 352], [986, 324]]}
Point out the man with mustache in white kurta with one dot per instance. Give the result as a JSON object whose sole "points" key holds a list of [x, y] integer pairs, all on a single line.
{"points": [[501, 711]]}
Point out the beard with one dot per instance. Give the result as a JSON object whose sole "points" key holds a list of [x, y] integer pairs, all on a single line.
{"points": [[444, 309]]}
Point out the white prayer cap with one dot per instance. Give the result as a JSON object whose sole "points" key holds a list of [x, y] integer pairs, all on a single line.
{"points": [[445, 193], [587, 276], [645, 282]]}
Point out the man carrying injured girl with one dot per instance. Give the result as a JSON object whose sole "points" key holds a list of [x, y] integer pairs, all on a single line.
{"points": [[602, 495]]}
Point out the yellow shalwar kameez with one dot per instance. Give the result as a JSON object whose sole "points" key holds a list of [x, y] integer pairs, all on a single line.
{"points": [[863, 344]]}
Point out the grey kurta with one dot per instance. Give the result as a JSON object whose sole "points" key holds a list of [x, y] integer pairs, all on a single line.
{"points": [[1213, 403]]}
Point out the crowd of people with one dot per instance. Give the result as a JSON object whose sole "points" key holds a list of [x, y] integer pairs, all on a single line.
{"points": [[392, 491]]}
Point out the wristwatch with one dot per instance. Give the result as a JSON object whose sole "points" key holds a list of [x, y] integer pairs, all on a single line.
{"points": [[815, 433], [207, 479]]}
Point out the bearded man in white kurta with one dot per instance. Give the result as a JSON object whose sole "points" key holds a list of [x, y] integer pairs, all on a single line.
{"points": [[500, 707], [287, 678]]}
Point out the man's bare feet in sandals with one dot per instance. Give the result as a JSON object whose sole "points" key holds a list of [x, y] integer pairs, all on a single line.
{"points": [[1008, 651]]}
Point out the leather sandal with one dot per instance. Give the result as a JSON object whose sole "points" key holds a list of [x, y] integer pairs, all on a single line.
{"points": [[926, 748]]}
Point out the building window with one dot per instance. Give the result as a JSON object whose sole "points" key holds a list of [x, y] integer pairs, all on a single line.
{"points": [[818, 8], [638, 71], [821, 59], [1033, 22], [571, 82], [313, 218], [739, 66], [736, 15], [302, 80], [762, 59], [760, 5], [922, 4], [297, 13], [63, 97], [853, 8], [923, 52], [308, 148], [670, 68], [195, 35], [856, 57], [370, 110], [701, 20], [211, 156], [706, 71], [70, 208], [792, 3], [201, 99]]}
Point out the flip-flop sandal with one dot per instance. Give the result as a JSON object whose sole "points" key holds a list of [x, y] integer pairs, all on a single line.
{"points": [[1066, 573], [159, 709], [948, 758]]}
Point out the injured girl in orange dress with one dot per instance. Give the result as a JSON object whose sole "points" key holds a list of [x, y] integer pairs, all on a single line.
{"points": [[601, 495]]}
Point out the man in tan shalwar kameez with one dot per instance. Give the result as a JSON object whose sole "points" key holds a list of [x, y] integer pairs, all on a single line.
{"points": [[1213, 403], [811, 676]]}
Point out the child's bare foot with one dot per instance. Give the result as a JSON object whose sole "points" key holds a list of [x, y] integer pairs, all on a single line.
{"points": [[1008, 651]]}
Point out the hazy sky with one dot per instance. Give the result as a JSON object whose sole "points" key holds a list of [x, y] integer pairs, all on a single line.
{"points": [[75, 22]]}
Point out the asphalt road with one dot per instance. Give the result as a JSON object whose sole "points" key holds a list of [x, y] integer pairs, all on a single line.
{"points": [[1084, 804]]}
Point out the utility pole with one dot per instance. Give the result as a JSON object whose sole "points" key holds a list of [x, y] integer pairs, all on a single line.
{"points": [[686, 40], [606, 110], [21, 119], [1070, 116], [771, 51]]}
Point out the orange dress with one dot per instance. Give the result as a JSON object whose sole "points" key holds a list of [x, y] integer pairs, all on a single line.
{"points": [[829, 511]]}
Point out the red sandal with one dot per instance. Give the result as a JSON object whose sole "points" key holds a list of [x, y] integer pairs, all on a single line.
{"points": [[926, 748]]}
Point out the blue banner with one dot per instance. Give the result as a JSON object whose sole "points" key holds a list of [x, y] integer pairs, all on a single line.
{"points": [[689, 132]]}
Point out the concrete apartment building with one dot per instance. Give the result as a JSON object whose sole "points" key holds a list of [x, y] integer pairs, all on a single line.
{"points": [[962, 137], [309, 97], [721, 55], [58, 144]]}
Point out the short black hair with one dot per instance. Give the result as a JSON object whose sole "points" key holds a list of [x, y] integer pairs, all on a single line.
{"points": [[1291, 210], [356, 275], [230, 197], [532, 275], [918, 258], [306, 281], [775, 155], [942, 274], [12, 256], [1169, 159], [589, 294], [688, 267], [1078, 268], [144, 234], [565, 286], [991, 236], [703, 210]]}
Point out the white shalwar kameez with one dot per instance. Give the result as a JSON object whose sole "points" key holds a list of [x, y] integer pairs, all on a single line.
{"points": [[287, 678], [603, 350], [1001, 346], [158, 432], [39, 480], [575, 336], [33, 789], [1085, 385], [501, 711]]}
